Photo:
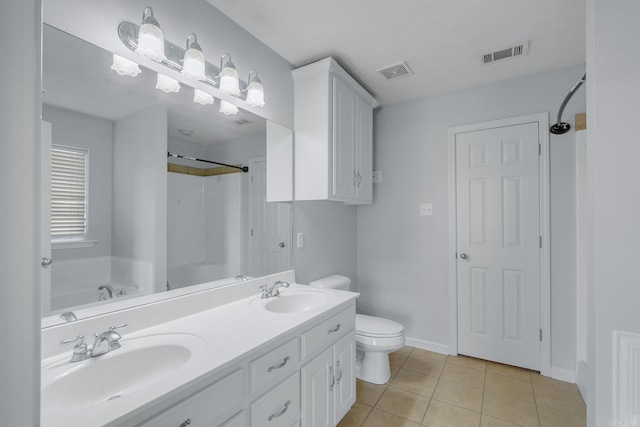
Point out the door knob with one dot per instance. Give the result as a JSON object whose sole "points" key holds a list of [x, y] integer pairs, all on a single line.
{"points": [[464, 255], [281, 244], [45, 261]]}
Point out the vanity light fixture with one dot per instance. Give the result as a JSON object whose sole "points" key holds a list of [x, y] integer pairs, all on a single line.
{"points": [[124, 67], [255, 90], [202, 97], [147, 40], [150, 38], [167, 84], [193, 63], [228, 108], [229, 81]]}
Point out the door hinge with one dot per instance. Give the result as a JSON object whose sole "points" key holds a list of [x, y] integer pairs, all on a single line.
{"points": [[540, 334], [540, 241]]}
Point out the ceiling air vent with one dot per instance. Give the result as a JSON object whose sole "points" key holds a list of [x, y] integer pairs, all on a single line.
{"points": [[511, 52], [396, 71]]}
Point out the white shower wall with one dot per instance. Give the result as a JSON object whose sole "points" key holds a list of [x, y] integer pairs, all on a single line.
{"points": [[204, 222]]}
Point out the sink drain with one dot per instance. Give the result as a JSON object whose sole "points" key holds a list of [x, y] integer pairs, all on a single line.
{"points": [[114, 397]]}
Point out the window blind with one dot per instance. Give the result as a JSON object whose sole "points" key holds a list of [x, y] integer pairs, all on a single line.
{"points": [[68, 193]]}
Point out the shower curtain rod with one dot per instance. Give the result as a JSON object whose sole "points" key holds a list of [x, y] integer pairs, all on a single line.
{"points": [[242, 168], [560, 127]]}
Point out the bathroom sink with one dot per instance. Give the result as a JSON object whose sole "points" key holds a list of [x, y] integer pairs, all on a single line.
{"points": [[137, 365], [296, 301]]}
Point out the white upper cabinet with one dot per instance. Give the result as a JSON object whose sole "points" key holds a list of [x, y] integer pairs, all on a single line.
{"points": [[333, 127]]}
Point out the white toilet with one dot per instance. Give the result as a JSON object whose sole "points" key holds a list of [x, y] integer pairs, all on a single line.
{"points": [[375, 337]]}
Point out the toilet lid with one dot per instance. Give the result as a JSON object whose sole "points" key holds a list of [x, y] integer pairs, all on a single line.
{"points": [[377, 327]]}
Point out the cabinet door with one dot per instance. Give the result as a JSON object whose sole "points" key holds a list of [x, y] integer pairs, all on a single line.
{"points": [[317, 391], [344, 365], [344, 171], [364, 151]]}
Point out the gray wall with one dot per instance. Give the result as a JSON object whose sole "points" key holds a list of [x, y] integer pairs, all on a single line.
{"points": [[613, 94], [97, 22], [403, 257], [20, 110], [96, 136], [139, 207], [330, 242]]}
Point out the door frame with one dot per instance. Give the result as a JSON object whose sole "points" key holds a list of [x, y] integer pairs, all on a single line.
{"points": [[542, 120]]}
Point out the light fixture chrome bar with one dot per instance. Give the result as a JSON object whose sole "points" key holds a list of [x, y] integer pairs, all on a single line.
{"points": [[128, 33]]}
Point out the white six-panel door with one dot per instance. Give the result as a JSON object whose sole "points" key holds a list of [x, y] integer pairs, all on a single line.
{"points": [[498, 244]]}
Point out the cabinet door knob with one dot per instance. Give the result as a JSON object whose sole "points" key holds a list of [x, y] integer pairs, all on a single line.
{"points": [[282, 244], [45, 261], [332, 378], [339, 371]]}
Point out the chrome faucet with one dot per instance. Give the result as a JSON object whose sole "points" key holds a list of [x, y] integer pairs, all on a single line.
{"points": [[274, 290], [103, 343], [108, 288]]}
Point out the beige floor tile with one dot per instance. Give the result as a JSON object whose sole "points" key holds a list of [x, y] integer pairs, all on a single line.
{"points": [[398, 358], [424, 365], [564, 401], [378, 418], [440, 414], [469, 362], [459, 395], [562, 385], [394, 371], [463, 375], [403, 404], [509, 409], [552, 418], [509, 371], [488, 421], [356, 415], [415, 382], [510, 386], [430, 354], [368, 393], [406, 349]]}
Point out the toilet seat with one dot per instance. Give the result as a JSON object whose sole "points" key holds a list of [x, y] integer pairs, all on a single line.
{"points": [[377, 327]]}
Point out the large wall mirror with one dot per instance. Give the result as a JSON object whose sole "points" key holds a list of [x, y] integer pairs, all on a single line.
{"points": [[155, 225]]}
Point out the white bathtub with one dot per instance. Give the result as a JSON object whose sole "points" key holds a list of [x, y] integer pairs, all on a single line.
{"points": [[86, 297]]}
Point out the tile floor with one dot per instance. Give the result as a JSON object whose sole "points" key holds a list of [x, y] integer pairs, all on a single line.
{"points": [[436, 390]]}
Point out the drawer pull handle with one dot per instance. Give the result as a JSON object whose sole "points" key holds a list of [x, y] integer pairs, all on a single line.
{"points": [[339, 372], [286, 406], [186, 423], [336, 329], [284, 362]]}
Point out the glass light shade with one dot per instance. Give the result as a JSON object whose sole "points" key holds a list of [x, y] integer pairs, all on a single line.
{"points": [[151, 43], [124, 67], [201, 97], [229, 82], [228, 108], [255, 94], [193, 65], [167, 84]]}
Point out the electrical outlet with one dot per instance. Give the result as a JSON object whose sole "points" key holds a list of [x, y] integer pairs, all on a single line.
{"points": [[300, 237], [377, 177], [426, 209]]}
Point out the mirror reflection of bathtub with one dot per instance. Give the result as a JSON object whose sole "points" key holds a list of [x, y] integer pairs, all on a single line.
{"points": [[160, 227]]}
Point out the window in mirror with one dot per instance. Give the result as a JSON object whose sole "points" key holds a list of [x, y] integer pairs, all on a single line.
{"points": [[68, 194]]}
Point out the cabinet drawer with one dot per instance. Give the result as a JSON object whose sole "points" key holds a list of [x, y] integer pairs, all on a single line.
{"points": [[328, 331], [275, 365], [239, 420], [205, 407], [280, 406]]}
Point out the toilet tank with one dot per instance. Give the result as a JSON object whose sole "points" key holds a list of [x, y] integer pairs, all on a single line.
{"points": [[335, 281]]}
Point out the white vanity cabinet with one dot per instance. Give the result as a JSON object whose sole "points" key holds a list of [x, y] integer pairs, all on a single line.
{"points": [[333, 126], [328, 384]]}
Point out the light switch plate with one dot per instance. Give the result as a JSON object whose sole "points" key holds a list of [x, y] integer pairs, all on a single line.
{"points": [[300, 237], [426, 209], [377, 177]]}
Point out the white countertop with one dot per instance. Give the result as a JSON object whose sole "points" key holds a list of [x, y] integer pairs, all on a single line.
{"points": [[227, 333]]}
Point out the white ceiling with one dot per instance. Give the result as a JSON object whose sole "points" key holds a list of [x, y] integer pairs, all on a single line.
{"points": [[441, 40]]}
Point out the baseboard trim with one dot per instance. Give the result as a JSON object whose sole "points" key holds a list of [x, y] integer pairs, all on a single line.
{"points": [[563, 375], [427, 345]]}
